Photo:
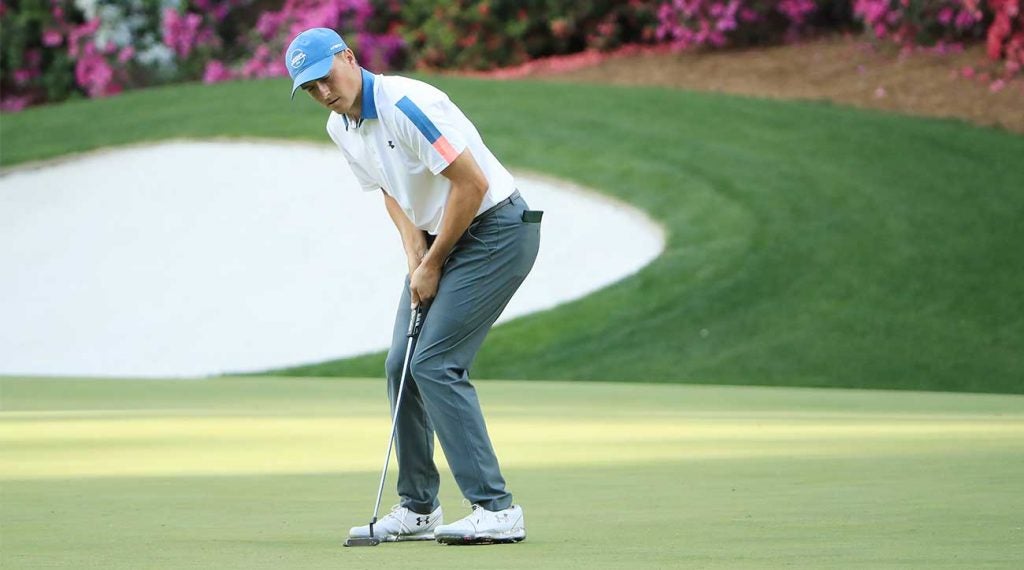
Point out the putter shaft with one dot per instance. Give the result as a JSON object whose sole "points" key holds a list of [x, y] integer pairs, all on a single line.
{"points": [[415, 320]]}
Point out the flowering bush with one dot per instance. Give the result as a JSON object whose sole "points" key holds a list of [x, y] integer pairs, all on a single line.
{"points": [[367, 29], [1005, 39], [917, 22], [483, 34], [56, 49], [716, 23], [937, 22], [909, 23], [51, 50]]}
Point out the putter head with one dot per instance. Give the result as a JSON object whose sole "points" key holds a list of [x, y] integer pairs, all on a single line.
{"points": [[367, 541]]}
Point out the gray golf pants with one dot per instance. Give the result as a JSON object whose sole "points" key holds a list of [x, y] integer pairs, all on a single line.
{"points": [[483, 271]]}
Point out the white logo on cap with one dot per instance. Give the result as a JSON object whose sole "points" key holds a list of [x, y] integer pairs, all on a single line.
{"points": [[298, 58], [338, 45]]}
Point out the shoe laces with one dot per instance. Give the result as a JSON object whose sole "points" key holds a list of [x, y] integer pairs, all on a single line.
{"points": [[481, 512], [397, 512], [473, 507], [478, 511]]}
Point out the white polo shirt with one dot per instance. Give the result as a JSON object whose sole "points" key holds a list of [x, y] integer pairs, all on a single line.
{"points": [[408, 133]]}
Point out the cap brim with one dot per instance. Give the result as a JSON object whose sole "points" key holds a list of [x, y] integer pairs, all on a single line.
{"points": [[316, 71]]}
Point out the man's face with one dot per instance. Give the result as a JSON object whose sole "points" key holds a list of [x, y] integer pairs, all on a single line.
{"points": [[339, 90]]}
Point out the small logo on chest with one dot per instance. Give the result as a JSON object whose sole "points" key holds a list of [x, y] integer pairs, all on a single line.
{"points": [[391, 144]]}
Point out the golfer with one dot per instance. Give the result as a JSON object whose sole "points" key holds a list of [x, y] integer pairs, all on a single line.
{"points": [[469, 239]]}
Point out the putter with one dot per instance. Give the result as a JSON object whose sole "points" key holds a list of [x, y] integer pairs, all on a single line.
{"points": [[415, 321]]}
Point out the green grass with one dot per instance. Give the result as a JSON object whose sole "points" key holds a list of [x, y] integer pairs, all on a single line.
{"points": [[808, 244], [269, 473]]}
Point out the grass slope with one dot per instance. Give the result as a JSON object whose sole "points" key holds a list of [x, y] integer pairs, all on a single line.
{"points": [[808, 244], [263, 473]]}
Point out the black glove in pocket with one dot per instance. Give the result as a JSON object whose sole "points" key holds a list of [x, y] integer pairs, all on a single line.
{"points": [[533, 216]]}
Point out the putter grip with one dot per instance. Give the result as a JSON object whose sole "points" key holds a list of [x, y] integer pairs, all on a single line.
{"points": [[415, 322]]}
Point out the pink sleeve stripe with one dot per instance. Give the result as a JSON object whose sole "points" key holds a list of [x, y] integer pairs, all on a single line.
{"points": [[445, 149]]}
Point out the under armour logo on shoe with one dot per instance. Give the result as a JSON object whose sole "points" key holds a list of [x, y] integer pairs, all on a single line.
{"points": [[503, 517], [420, 521], [391, 144]]}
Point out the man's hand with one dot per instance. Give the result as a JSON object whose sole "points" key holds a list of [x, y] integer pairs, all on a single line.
{"points": [[469, 185], [414, 259], [423, 282]]}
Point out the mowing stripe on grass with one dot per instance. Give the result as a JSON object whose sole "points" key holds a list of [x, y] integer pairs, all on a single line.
{"points": [[270, 473]]}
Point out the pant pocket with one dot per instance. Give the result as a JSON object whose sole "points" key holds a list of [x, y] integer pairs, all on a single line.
{"points": [[483, 233]]}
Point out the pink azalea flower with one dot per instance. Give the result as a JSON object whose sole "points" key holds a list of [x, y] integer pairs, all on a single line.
{"points": [[94, 74], [22, 76], [78, 32], [52, 38], [180, 32], [14, 103], [216, 72]]}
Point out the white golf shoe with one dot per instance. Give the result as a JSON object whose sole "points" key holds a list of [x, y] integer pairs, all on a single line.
{"points": [[402, 524], [484, 527]]}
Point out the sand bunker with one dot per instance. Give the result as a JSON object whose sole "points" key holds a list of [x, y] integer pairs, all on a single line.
{"points": [[197, 258]]}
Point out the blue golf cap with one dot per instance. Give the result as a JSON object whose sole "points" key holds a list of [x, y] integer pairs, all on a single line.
{"points": [[310, 54]]}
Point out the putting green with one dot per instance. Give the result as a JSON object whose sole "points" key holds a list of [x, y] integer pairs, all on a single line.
{"points": [[269, 473]]}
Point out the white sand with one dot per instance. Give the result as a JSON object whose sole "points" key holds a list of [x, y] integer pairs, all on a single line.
{"points": [[196, 258]]}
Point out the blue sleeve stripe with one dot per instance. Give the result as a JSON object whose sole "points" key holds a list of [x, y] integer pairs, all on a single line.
{"points": [[418, 118]]}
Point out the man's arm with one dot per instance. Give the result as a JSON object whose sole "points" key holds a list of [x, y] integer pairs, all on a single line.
{"points": [[413, 240], [469, 186]]}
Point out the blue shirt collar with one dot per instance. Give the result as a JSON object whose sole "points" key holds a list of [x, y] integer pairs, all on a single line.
{"points": [[369, 106]]}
